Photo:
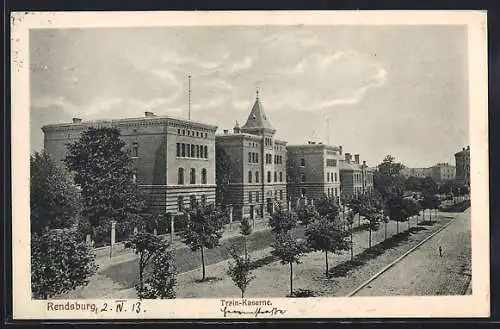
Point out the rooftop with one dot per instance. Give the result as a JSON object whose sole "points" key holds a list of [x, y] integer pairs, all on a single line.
{"points": [[257, 119]]}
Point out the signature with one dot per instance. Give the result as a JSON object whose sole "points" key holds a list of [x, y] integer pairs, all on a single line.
{"points": [[256, 312]]}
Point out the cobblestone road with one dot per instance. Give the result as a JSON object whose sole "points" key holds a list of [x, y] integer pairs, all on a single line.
{"points": [[425, 272]]}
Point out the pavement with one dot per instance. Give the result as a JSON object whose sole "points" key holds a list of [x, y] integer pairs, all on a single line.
{"points": [[425, 272]]}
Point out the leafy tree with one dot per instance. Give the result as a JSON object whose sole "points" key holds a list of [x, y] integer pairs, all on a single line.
{"points": [[411, 208], [428, 186], [146, 245], [354, 204], [160, 280], [327, 236], [60, 262], [222, 173], [396, 208], [387, 178], [327, 208], [240, 271], [413, 184], [370, 208], [103, 170], [307, 213], [350, 221], [245, 230], [282, 220], [205, 229], [54, 198], [289, 250], [429, 201]]}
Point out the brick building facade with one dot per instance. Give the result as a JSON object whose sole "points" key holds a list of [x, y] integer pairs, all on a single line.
{"points": [[355, 178], [258, 166], [313, 171], [462, 162], [173, 159]]}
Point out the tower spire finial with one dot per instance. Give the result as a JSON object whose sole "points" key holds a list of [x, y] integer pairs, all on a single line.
{"points": [[257, 89]]}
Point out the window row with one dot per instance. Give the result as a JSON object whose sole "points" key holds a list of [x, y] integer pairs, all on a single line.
{"points": [[357, 178], [258, 199], [332, 192], [269, 158], [331, 177], [192, 133], [192, 201], [269, 177], [253, 157], [192, 176], [253, 144], [268, 141], [278, 159], [331, 163], [192, 151]]}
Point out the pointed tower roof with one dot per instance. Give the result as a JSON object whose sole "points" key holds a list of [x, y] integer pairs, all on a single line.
{"points": [[257, 118]]}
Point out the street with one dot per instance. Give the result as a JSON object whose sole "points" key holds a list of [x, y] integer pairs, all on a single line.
{"points": [[425, 272]]}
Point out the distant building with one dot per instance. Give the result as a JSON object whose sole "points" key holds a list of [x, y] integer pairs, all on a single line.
{"points": [[258, 160], [355, 179], [173, 159], [462, 162], [313, 171], [416, 172], [442, 172]]}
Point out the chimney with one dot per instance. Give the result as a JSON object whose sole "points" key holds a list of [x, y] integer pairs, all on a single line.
{"points": [[356, 158], [226, 131], [348, 157], [340, 149], [364, 163], [77, 120], [149, 114], [468, 147], [463, 148]]}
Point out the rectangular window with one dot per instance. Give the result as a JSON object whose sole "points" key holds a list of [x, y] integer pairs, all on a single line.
{"points": [[250, 197], [335, 177], [135, 150], [180, 203], [205, 152], [178, 149], [249, 157], [192, 201], [192, 179], [193, 153], [302, 162], [188, 150], [183, 150], [281, 194], [257, 195], [197, 151]]}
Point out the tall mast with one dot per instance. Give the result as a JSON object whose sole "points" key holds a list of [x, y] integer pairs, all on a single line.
{"points": [[189, 97]]}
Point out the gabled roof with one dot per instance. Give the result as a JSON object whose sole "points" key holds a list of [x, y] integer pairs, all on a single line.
{"points": [[257, 118]]}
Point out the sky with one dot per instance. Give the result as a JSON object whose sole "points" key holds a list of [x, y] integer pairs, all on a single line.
{"points": [[375, 90]]}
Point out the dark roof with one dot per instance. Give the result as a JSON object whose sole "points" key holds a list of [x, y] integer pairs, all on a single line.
{"points": [[257, 118]]}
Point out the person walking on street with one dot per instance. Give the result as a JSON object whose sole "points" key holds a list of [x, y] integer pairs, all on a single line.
{"points": [[440, 252]]}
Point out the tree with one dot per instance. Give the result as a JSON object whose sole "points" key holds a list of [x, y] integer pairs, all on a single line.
{"points": [[370, 208], [240, 271], [103, 170], [354, 204], [222, 173], [387, 178], [245, 230], [60, 262], [54, 198], [282, 220], [411, 208], [350, 221], [160, 280], [205, 229], [146, 245], [327, 236], [430, 201], [328, 208], [289, 250], [307, 213], [396, 208]]}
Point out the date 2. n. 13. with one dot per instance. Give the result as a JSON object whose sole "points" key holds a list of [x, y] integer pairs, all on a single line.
{"points": [[120, 306]]}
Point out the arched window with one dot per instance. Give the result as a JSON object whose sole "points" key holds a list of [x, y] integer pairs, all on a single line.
{"points": [[192, 179], [256, 176], [269, 177], [203, 176], [249, 157], [249, 176], [275, 176], [135, 150], [256, 157], [281, 176], [180, 176]]}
